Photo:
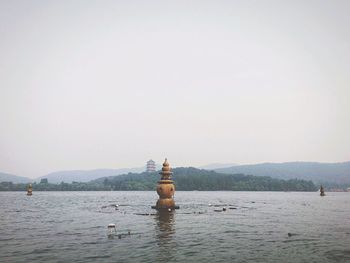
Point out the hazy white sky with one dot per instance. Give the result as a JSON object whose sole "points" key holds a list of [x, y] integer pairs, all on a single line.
{"points": [[92, 84]]}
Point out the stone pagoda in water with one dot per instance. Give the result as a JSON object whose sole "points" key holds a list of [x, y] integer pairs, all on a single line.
{"points": [[166, 190], [322, 191], [30, 189]]}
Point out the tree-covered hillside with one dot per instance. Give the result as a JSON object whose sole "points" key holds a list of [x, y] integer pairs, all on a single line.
{"points": [[197, 179]]}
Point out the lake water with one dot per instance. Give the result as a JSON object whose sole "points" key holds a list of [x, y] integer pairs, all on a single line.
{"points": [[72, 226]]}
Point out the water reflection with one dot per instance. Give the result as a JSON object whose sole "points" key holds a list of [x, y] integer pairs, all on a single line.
{"points": [[165, 235]]}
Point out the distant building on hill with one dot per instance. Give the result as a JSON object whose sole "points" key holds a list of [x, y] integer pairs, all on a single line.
{"points": [[150, 166]]}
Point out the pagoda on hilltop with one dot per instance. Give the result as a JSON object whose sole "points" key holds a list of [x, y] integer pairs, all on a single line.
{"points": [[150, 166], [166, 190]]}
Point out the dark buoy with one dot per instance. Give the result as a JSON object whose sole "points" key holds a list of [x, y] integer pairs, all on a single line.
{"points": [[224, 209], [289, 234]]}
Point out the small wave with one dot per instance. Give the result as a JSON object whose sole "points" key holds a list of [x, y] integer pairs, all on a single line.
{"points": [[97, 257], [338, 255], [41, 251], [299, 240], [6, 239], [89, 243]]}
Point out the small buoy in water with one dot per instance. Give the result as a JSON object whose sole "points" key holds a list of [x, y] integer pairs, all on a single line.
{"points": [[289, 234], [224, 209], [129, 233], [120, 236]]}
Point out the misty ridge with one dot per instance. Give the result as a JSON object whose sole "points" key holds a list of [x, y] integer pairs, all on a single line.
{"points": [[329, 174]]}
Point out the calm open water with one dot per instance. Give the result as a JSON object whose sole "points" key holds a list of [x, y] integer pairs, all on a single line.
{"points": [[72, 226]]}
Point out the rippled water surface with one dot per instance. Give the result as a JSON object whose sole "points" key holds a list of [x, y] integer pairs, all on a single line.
{"points": [[72, 226]]}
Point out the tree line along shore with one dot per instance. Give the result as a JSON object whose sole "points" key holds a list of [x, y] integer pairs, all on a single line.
{"points": [[186, 179]]}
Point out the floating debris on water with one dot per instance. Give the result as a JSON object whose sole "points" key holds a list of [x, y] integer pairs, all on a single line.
{"points": [[192, 213], [112, 226], [111, 229], [120, 236], [144, 214]]}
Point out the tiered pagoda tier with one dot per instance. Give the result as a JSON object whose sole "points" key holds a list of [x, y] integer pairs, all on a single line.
{"points": [[166, 189], [150, 166]]}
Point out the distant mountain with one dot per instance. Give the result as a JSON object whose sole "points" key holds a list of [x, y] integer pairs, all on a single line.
{"points": [[5, 177], [214, 166], [86, 175], [333, 174]]}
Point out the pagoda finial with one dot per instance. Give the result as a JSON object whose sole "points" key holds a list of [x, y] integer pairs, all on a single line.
{"points": [[166, 173]]}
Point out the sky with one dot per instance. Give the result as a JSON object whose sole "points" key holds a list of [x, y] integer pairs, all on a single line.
{"points": [[112, 84]]}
